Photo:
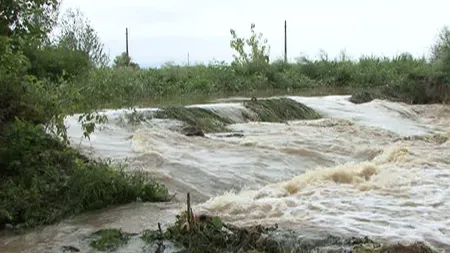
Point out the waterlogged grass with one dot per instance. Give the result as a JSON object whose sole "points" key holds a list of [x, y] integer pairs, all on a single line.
{"points": [[109, 239], [211, 235], [44, 181], [266, 110], [281, 110], [198, 117]]}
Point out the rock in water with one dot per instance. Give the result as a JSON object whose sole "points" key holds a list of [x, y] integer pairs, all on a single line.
{"points": [[192, 131], [70, 249], [361, 97]]}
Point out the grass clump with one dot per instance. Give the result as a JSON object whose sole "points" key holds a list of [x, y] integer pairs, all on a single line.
{"points": [[109, 239], [203, 233], [361, 97], [270, 110], [209, 235], [198, 117], [281, 110], [43, 180]]}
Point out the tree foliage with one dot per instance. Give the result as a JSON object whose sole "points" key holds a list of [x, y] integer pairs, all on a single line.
{"points": [[440, 51], [259, 50], [34, 72], [77, 34], [27, 19]]}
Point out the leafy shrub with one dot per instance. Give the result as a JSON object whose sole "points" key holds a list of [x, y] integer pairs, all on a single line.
{"points": [[55, 63], [44, 180]]}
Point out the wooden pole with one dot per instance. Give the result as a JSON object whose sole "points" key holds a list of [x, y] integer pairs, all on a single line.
{"points": [[285, 41], [189, 210], [126, 42]]}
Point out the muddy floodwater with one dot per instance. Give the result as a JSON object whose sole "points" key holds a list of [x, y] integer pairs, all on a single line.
{"points": [[379, 169]]}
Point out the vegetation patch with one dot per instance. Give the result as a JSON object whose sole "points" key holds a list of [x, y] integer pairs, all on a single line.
{"points": [[361, 97], [203, 233], [109, 239], [211, 235], [43, 180], [202, 118], [280, 110], [414, 89]]}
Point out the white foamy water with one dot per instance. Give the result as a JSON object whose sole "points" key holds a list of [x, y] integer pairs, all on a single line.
{"points": [[351, 172]]}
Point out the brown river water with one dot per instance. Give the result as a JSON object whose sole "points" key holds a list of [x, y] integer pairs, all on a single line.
{"points": [[358, 171]]}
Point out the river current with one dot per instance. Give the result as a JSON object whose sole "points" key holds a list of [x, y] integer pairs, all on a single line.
{"points": [[378, 169]]}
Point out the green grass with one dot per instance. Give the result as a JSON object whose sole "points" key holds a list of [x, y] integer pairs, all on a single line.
{"points": [[199, 117], [109, 239]]}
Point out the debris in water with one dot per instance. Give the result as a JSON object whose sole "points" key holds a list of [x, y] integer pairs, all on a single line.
{"points": [[193, 131], [204, 233], [394, 248], [230, 135], [70, 249]]}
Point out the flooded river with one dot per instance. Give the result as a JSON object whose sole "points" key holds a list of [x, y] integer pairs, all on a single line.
{"points": [[371, 169]]}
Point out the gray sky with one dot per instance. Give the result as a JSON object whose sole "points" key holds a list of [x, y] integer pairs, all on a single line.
{"points": [[162, 31]]}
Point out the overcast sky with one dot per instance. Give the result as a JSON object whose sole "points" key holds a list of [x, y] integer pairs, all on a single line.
{"points": [[166, 30]]}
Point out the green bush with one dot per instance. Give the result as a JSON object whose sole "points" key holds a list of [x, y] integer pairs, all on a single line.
{"points": [[43, 180], [55, 63]]}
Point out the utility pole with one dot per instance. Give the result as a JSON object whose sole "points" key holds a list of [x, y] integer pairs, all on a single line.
{"points": [[126, 42], [188, 59], [285, 41]]}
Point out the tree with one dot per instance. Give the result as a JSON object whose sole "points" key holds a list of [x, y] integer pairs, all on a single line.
{"points": [[259, 51], [124, 60], [77, 34], [440, 51], [32, 19], [24, 27]]}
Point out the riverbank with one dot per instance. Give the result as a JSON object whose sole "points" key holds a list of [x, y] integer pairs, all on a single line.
{"points": [[399, 79], [203, 233], [44, 181]]}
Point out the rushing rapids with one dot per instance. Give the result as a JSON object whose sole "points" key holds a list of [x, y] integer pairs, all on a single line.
{"points": [[379, 169]]}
